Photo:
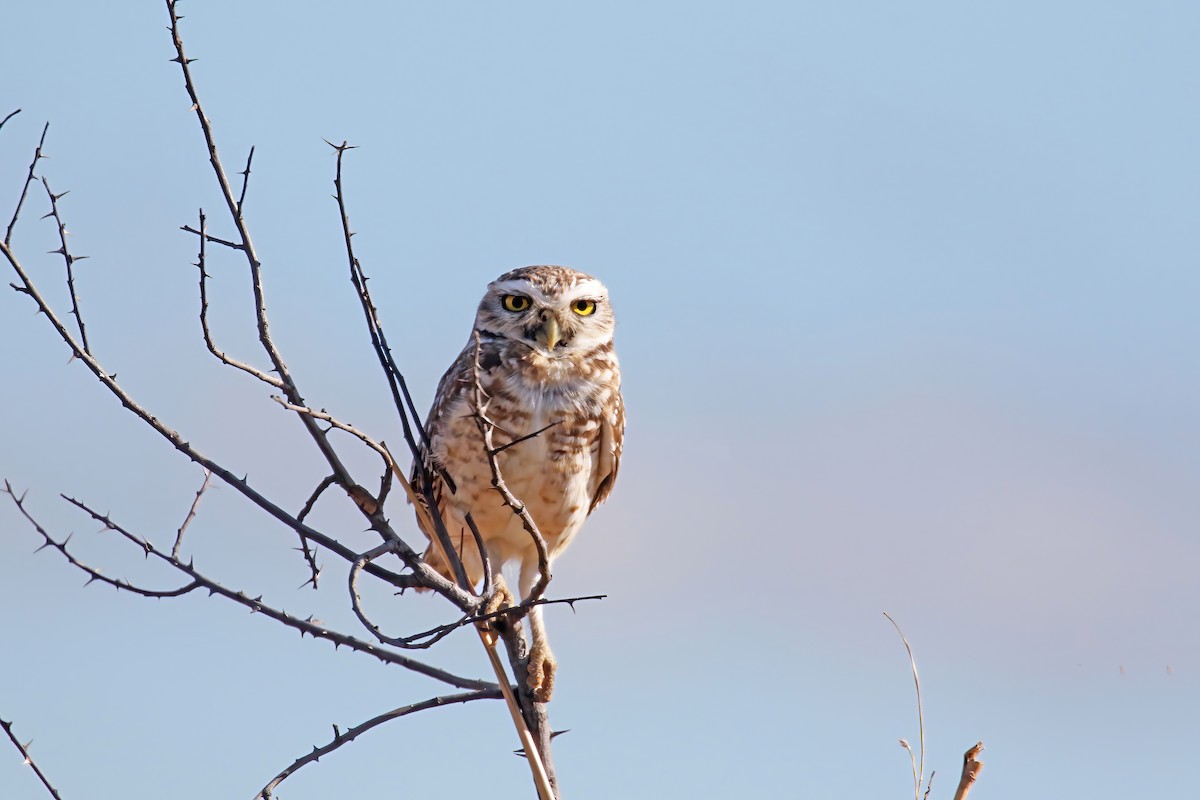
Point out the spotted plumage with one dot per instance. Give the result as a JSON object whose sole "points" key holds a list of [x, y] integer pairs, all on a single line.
{"points": [[546, 358]]}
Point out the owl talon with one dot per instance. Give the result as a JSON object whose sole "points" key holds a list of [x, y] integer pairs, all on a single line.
{"points": [[542, 667], [501, 599]]}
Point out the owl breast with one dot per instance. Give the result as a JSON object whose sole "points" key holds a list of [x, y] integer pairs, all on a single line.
{"points": [[554, 473]]}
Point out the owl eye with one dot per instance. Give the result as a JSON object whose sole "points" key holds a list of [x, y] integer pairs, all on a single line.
{"points": [[514, 302], [584, 308]]}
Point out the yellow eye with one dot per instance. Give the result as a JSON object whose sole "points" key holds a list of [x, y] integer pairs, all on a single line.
{"points": [[584, 308], [514, 302]]}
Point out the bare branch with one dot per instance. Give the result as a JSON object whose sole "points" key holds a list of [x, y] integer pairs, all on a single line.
{"points": [[351, 734], [93, 573], [24, 748], [310, 556], [37, 155], [11, 114], [918, 776], [270, 380], [190, 516], [245, 182], [255, 604], [395, 378], [69, 259]]}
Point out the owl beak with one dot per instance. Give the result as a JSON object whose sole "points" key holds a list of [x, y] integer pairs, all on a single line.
{"points": [[551, 334]]}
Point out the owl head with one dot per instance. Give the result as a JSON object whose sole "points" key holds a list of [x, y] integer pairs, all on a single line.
{"points": [[555, 311]]}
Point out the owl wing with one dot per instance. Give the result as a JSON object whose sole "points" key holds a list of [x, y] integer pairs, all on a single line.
{"points": [[453, 383], [612, 437]]}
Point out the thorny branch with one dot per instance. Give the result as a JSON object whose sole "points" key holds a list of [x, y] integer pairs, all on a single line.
{"points": [[24, 748], [201, 264], [38, 155], [201, 581], [68, 259], [190, 516], [351, 734]]}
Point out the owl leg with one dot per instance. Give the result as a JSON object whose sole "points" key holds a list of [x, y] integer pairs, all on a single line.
{"points": [[541, 661]]}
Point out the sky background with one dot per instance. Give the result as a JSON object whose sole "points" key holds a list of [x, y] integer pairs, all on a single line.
{"points": [[907, 317]]}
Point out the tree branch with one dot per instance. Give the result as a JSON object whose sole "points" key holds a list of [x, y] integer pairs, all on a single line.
{"points": [[351, 734], [24, 748]]}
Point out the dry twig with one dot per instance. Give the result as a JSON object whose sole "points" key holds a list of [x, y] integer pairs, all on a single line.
{"points": [[24, 748]]}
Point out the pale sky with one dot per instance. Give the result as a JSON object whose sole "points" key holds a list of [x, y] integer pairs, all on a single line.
{"points": [[906, 300]]}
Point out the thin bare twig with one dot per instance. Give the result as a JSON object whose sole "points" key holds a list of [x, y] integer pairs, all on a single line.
{"points": [[918, 776], [10, 115], [29, 178], [69, 259], [351, 734], [190, 516], [395, 378], [245, 181], [24, 748], [201, 264], [310, 555], [93, 573]]}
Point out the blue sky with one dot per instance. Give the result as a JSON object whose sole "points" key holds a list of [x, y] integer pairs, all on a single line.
{"points": [[906, 299]]}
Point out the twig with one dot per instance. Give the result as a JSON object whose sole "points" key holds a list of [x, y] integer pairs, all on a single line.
{"points": [[37, 156], [918, 777], [395, 378], [972, 766], [310, 556], [190, 516], [11, 114], [24, 748], [509, 612], [220, 355], [245, 181], [69, 259], [351, 734]]}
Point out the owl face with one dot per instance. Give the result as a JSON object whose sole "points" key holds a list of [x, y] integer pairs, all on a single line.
{"points": [[555, 311]]}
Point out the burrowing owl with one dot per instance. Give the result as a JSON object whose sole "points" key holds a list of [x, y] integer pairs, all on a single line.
{"points": [[545, 350]]}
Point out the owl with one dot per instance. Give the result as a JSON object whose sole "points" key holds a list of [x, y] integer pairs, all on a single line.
{"points": [[543, 337]]}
